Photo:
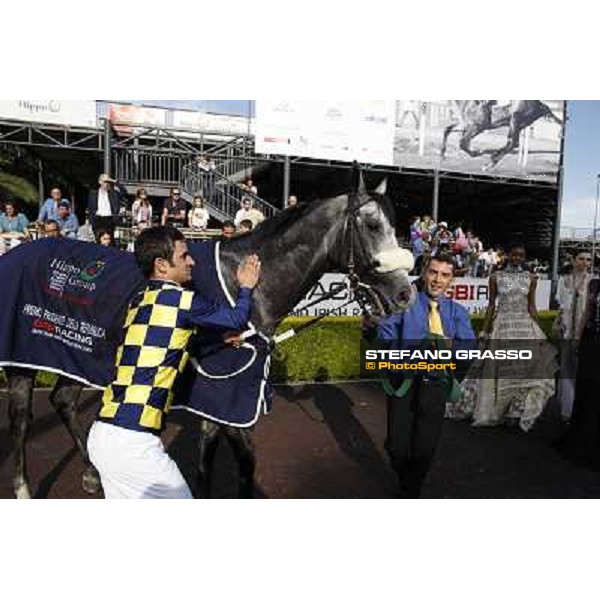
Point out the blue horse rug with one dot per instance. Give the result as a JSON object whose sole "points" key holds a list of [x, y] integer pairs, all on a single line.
{"points": [[62, 308], [226, 384]]}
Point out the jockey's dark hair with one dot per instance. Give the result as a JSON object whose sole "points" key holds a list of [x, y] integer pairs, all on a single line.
{"points": [[154, 243], [228, 224]]}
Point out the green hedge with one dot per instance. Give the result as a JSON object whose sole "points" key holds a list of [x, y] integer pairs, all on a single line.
{"points": [[329, 350]]}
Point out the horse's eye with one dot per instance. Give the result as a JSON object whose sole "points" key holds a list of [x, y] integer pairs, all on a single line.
{"points": [[373, 226]]}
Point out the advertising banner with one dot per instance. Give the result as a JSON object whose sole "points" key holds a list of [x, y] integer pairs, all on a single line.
{"points": [[74, 113], [227, 124], [344, 130], [470, 292], [130, 115], [509, 138]]}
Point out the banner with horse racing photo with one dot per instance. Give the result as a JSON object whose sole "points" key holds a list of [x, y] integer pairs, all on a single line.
{"points": [[508, 138]]}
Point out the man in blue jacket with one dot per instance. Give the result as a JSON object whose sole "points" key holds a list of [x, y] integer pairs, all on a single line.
{"points": [[416, 404]]}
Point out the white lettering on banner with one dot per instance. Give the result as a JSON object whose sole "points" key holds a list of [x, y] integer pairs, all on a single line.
{"points": [[470, 292], [80, 113], [69, 331]]}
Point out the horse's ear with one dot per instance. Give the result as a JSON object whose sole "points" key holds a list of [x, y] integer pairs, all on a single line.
{"points": [[358, 183], [362, 189], [382, 187]]}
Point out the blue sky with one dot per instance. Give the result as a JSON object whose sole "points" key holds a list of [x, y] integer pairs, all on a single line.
{"points": [[581, 160]]}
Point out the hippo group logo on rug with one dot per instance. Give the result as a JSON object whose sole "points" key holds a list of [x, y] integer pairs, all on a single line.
{"points": [[73, 283], [92, 271]]}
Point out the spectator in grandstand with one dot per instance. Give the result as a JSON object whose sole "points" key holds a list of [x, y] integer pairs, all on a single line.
{"points": [[474, 249], [85, 232], [442, 240], [499, 259], [416, 241], [247, 211], [51, 229], [13, 224], [245, 226], [208, 171], [141, 210], [460, 267], [104, 204], [428, 225], [248, 186], [68, 223], [104, 237], [461, 243], [428, 229], [486, 263], [174, 209], [198, 216], [227, 230], [49, 209], [292, 201]]}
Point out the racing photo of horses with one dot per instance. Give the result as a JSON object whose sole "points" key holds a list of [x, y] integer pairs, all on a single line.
{"points": [[507, 138]]}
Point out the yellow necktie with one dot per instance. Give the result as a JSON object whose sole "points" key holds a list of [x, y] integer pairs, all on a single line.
{"points": [[435, 320]]}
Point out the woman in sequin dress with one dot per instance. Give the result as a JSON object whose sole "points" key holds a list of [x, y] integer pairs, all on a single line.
{"points": [[495, 392], [582, 441], [571, 296]]}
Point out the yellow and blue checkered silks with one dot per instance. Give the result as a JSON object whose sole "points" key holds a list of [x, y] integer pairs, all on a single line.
{"points": [[157, 329]]}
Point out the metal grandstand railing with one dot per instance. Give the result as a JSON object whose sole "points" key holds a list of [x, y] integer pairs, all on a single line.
{"points": [[232, 159], [579, 233], [150, 166], [223, 197]]}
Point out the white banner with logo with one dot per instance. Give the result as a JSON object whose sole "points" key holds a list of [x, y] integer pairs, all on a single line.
{"points": [[75, 113], [202, 122], [344, 130], [470, 292]]}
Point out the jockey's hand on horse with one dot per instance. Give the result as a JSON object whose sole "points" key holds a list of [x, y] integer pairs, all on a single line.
{"points": [[248, 272], [234, 338]]}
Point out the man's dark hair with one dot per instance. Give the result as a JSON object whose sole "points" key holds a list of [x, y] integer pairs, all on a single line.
{"points": [[247, 223], [227, 224], [12, 202], [445, 257], [51, 222], [153, 243], [516, 245]]}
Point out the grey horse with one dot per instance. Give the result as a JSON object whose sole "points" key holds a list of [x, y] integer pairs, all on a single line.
{"points": [[296, 248]]}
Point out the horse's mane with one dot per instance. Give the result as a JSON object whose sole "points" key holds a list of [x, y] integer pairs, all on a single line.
{"points": [[283, 220], [275, 225]]}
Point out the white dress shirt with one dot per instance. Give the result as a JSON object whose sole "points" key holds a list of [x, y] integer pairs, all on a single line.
{"points": [[103, 204]]}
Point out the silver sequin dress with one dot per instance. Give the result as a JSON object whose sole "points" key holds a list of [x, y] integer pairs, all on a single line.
{"points": [[495, 391]]}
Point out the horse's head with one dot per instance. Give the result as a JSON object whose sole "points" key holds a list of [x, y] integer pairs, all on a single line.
{"points": [[370, 250]]}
